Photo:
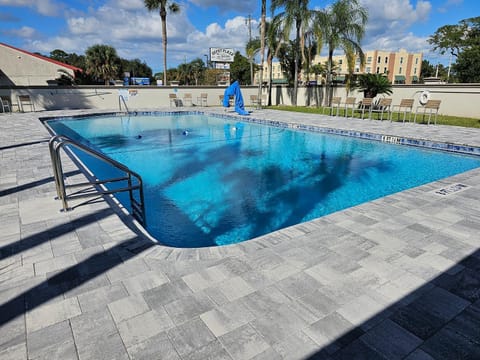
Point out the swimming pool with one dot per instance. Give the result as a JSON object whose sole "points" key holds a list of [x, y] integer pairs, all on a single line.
{"points": [[211, 180]]}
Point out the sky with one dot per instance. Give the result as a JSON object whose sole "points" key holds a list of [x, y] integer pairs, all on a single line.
{"points": [[74, 25]]}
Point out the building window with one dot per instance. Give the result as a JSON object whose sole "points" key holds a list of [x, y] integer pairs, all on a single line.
{"points": [[386, 59], [401, 60], [400, 70], [357, 69], [379, 59], [416, 61], [369, 60], [340, 62], [414, 70], [368, 69], [384, 70], [378, 70]]}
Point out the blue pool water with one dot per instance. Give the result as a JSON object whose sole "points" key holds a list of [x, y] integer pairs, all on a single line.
{"points": [[214, 181]]}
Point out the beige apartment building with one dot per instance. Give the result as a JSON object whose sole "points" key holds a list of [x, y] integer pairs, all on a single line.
{"points": [[400, 67]]}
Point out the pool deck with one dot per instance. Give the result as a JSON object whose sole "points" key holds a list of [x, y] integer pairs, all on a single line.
{"points": [[395, 278]]}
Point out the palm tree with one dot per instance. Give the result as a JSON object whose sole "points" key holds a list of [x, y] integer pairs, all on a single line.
{"points": [[251, 49], [341, 26], [274, 41], [102, 62], [373, 85], [162, 6], [296, 13]]}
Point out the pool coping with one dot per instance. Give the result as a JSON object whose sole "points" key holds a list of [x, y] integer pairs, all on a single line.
{"points": [[142, 300]]}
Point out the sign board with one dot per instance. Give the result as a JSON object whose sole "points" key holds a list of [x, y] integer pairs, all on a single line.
{"points": [[140, 81], [221, 55], [222, 66]]}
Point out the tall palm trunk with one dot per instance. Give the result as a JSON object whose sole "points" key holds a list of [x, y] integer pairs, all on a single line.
{"points": [[329, 91], [297, 60], [163, 16], [262, 51], [270, 80]]}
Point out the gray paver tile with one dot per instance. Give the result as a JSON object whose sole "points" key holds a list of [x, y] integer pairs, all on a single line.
{"points": [[96, 336], [145, 281], [298, 285], [12, 333], [244, 343], [52, 313], [212, 351], [101, 297], [15, 352], [53, 342], [190, 336], [333, 332], [278, 324], [155, 347], [133, 266], [235, 288], [262, 301], [204, 279], [360, 310], [108, 347], [142, 327], [166, 293], [128, 307], [188, 307], [226, 318], [391, 340], [296, 346]]}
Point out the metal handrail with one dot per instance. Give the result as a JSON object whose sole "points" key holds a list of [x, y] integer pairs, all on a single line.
{"points": [[57, 142], [121, 100]]}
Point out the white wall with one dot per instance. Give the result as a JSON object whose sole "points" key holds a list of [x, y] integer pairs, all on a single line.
{"points": [[457, 100]]}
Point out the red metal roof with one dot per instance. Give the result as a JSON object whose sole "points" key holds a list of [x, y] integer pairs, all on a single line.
{"points": [[71, 67]]}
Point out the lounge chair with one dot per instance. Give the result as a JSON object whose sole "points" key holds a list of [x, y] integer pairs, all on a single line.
{"points": [[366, 105], [25, 100], [173, 99], [432, 107], [254, 101], [382, 106], [231, 100], [5, 104], [350, 103], [202, 99], [405, 107], [187, 98], [335, 104]]}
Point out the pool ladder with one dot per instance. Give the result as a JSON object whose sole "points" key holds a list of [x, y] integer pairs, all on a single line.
{"points": [[121, 100], [95, 187]]}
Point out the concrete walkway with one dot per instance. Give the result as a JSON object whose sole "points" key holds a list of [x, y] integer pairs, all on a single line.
{"points": [[396, 278]]}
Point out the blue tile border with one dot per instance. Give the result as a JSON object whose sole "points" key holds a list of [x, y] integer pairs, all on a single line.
{"points": [[435, 145]]}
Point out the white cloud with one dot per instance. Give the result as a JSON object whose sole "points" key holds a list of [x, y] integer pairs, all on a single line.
{"points": [[43, 7], [136, 33], [389, 23], [23, 32]]}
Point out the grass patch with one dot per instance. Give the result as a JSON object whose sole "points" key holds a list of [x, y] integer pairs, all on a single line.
{"points": [[441, 119]]}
